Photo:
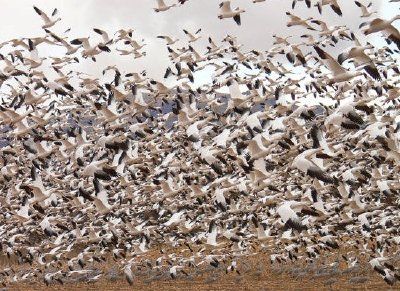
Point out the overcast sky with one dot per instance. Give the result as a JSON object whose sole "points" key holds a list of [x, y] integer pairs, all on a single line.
{"points": [[259, 23]]}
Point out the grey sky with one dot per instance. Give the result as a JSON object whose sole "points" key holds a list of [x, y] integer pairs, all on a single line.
{"points": [[260, 21]]}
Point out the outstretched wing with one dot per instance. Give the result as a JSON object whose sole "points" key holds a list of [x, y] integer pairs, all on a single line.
{"points": [[225, 7], [42, 14], [330, 62]]}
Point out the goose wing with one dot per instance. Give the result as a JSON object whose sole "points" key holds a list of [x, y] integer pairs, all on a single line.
{"points": [[42, 14], [330, 62]]}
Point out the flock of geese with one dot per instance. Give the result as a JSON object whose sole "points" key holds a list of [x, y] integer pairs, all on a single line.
{"points": [[299, 159]]}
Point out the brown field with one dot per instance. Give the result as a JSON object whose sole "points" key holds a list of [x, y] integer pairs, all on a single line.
{"points": [[255, 274]]}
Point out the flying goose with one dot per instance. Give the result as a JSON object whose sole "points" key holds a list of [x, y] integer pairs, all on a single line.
{"points": [[364, 9], [104, 35], [289, 216], [168, 39], [90, 51], [305, 162], [193, 37], [339, 73], [227, 12], [161, 6], [333, 3], [358, 54], [70, 49], [295, 20], [386, 26], [48, 22]]}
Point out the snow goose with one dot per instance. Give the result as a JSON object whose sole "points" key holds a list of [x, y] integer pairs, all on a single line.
{"points": [[380, 266], [333, 3], [289, 216], [133, 43], [34, 60], [193, 37], [168, 39], [262, 232], [212, 234], [104, 36], [123, 34], [227, 12], [339, 73], [364, 9], [161, 6], [90, 51], [358, 54], [136, 54], [333, 32], [297, 21], [48, 22], [304, 162], [98, 169], [386, 26]]}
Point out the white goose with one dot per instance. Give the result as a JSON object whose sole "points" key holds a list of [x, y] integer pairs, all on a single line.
{"points": [[333, 3], [104, 36], [358, 54], [297, 21], [340, 74], [193, 37], [90, 51], [70, 49], [168, 39], [227, 12], [385, 26], [162, 6], [364, 9], [289, 216], [48, 22]]}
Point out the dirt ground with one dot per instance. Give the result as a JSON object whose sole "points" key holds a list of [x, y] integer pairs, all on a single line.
{"points": [[244, 282], [254, 274]]}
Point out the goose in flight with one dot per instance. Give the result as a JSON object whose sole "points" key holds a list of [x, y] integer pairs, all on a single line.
{"points": [[362, 59], [193, 37], [70, 49], [227, 12], [104, 35], [304, 162], [289, 216], [386, 26], [124, 33], [90, 51], [295, 20], [136, 54], [212, 234], [168, 39], [386, 271], [48, 22], [333, 3], [364, 9], [340, 74], [334, 33], [161, 6]]}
